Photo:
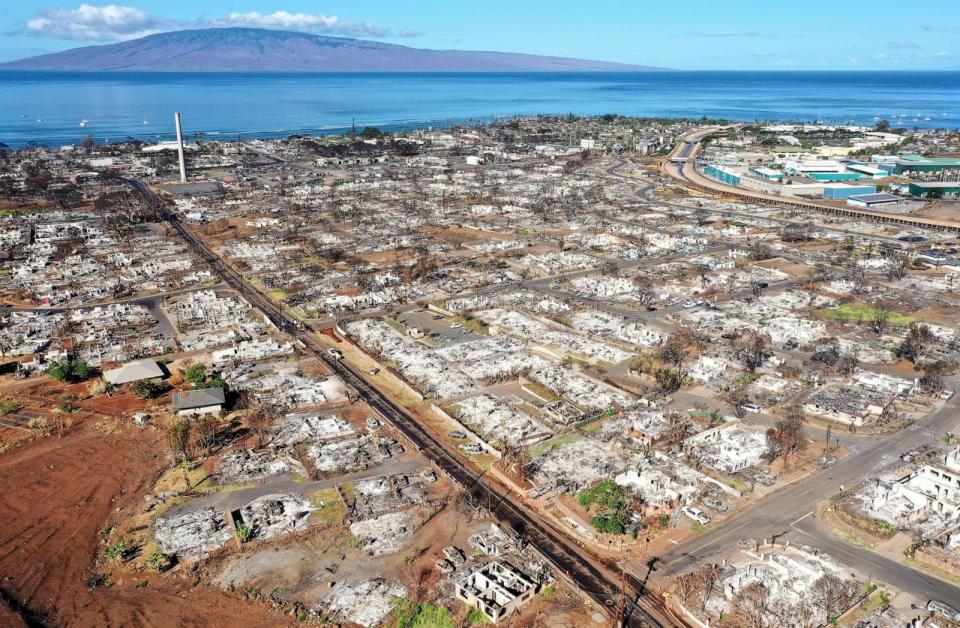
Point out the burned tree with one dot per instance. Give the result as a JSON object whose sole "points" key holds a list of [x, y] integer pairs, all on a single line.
{"points": [[752, 348]]}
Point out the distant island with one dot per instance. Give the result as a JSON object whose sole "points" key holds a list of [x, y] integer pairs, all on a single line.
{"points": [[261, 50]]}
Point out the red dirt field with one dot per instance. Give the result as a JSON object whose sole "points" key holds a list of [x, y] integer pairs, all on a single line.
{"points": [[56, 494]]}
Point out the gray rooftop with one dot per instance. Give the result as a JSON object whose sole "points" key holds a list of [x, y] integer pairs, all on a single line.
{"points": [[199, 398], [133, 372]]}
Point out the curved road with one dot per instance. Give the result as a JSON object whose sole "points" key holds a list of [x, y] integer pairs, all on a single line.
{"points": [[680, 166]]}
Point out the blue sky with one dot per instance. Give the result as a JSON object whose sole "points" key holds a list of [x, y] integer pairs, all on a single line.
{"points": [[682, 34]]}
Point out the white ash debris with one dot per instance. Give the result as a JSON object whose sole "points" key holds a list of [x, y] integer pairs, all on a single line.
{"points": [[250, 464], [367, 603], [297, 428], [553, 263], [390, 492], [578, 464], [600, 323], [525, 299], [527, 328], [606, 288], [272, 515], [344, 455], [192, 535], [495, 420], [580, 389], [491, 358], [385, 533], [414, 361]]}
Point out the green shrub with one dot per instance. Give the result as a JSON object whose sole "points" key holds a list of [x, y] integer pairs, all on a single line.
{"points": [[70, 370], [116, 551]]}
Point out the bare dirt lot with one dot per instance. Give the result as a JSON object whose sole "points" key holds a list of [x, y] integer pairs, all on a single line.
{"points": [[56, 494]]}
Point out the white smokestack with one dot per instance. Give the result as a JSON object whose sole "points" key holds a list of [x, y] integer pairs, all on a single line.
{"points": [[183, 164]]}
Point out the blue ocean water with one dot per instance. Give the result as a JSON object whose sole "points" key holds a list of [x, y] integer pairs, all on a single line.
{"points": [[49, 107]]}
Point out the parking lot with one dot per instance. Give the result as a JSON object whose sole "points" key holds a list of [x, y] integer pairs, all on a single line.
{"points": [[436, 328]]}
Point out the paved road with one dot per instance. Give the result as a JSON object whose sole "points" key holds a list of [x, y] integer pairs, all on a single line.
{"points": [[779, 513], [788, 513], [146, 300]]}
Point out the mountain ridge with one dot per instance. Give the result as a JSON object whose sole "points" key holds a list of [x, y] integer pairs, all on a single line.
{"points": [[263, 50]]}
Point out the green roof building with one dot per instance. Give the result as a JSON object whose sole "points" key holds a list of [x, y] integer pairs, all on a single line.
{"points": [[918, 163]]}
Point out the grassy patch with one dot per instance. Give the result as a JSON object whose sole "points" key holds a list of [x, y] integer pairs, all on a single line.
{"points": [[397, 327], [173, 480], [298, 313], [475, 325], [328, 509], [559, 441], [278, 295], [541, 391], [348, 494], [858, 312], [731, 482]]}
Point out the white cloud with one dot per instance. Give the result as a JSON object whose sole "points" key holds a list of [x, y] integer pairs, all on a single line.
{"points": [[98, 23], [305, 23], [114, 22]]}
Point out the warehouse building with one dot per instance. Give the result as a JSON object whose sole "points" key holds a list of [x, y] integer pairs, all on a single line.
{"points": [[833, 176], [722, 174], [868, 171], [766, 173], [938, 189], [839, 191], [916, 164], [873, 200]]}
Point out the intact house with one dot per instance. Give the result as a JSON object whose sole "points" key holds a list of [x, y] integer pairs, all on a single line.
{"points": [[200, 401], [135, 371]]}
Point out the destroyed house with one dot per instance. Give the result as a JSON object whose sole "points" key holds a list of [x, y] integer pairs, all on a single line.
{"points": [[495, 589]]}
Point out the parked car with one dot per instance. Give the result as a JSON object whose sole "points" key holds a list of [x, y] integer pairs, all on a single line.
{"points": [[455, 556], [696, 514], [455, 325], [715, 504], [335, 353], [764, 478], [375, 370], [947, 394], [751, 407], [457, 434], [826, 461]]}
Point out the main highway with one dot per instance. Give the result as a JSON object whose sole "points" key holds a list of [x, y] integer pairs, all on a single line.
{"points": [[598, 579], [680, 165]]}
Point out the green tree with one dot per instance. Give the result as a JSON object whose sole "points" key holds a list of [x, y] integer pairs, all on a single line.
{"points": [[149, 388], [70, 370], [196, 374]]}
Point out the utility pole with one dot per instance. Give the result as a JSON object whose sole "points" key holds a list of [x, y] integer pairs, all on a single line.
{"points": [[622, 604], [183, 165]]}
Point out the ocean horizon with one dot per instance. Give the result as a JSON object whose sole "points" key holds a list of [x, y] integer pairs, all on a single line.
{"points": [[55, 108]]}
